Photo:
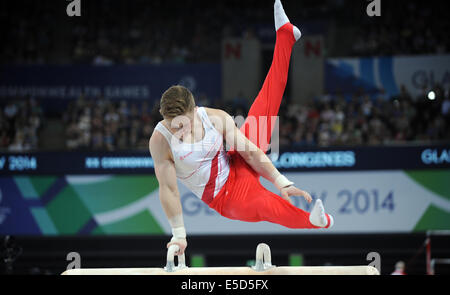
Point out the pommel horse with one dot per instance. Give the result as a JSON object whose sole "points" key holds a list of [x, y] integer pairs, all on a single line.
{"points": [[263, 266]]}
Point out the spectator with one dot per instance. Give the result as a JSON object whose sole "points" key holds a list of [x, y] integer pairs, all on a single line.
{"points": [[21, 121]]}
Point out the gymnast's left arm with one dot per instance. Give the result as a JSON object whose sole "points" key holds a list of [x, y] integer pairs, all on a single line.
{"points": [[256, 158]]}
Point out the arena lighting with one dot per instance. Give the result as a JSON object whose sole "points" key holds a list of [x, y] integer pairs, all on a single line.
{"points": [[431, 95]]}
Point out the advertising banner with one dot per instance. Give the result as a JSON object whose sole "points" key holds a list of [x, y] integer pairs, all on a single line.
{"points": [[372, 74], [307, 70], [299, 160], [241, 68], [361, 202], [364, 189], [117, 82]]}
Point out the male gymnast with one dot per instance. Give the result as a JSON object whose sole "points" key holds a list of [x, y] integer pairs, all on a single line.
{"points": [[189, 145]]}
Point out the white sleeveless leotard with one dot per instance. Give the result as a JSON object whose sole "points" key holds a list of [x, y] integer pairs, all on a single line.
{"points": [[203, 167]]}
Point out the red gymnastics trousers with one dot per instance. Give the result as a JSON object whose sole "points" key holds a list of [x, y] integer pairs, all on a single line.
{"points": [[243, 197]]}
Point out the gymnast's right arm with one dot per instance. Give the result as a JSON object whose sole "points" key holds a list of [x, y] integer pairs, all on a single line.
{"points": [[169, 195]]}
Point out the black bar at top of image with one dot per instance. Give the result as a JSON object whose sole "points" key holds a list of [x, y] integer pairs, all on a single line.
{"points": [[299, 160]]}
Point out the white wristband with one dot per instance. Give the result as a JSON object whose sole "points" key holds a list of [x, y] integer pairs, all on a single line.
{"points": [[179, 232], [281, 182]]}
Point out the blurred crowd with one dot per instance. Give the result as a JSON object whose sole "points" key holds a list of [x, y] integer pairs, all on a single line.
{"points": [[20, 123], [107, 125], [122, 32], [157, 31], [333, 120], [422, 29], [330, 120]]}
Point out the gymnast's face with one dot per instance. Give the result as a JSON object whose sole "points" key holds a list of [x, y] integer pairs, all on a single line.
{"points": [[181, 125]]}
